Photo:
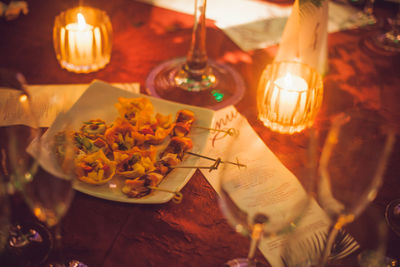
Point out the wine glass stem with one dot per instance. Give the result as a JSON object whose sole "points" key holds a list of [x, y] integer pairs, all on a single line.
{"points": [[196, 60], [57, 243], [396, 23], [255, 241], [369, 7], [332, 233]]}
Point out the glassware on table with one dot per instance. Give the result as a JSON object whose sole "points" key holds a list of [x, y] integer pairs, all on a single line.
{"points": [[264, 199], [392, 215], [28, 240], [196, 79], [47, 196], [351, 168], [82, 39], [4, 216], [386, 41]]}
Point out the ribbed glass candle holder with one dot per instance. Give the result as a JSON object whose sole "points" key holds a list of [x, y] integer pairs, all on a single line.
{"points": [[82, 39], [289, 96]]}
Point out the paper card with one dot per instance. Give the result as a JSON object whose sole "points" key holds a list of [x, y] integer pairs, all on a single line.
{"points": [[47, 101]]}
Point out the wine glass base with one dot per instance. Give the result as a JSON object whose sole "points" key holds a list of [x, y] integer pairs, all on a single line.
{"points": [[29, 245], [72, 263], [392, 215], [382, 44], [227, 89]]}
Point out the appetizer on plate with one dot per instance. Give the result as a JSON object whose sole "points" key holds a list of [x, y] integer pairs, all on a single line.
{"points": [[139, 147], [94, 168]]}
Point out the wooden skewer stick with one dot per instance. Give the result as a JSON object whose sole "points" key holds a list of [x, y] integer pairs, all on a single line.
{"points": [[212, 167], [230, 131], [237, 163], [177, 195]]}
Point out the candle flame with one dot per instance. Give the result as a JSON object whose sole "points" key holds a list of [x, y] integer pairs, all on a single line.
{"points": [[81, 21], [23, 98], [288, 79]]}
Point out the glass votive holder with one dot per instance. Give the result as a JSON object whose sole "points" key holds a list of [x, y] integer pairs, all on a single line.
{"points": [[289, 96], [82, 39]]}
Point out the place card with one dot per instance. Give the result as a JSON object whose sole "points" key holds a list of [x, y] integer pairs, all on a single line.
{"points": [[47, 101]]}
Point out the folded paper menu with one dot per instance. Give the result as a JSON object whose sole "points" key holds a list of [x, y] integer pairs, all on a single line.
{"points": [[47, 101], [267, 173]]}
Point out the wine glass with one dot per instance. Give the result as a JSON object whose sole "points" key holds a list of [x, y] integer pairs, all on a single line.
{"points": [[351, 168], [392, 215], [28, 240], [46, 195], [265, 199], [4, 216], [196, 79], [386, 41]]}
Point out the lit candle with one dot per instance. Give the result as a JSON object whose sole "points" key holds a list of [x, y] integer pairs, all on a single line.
{"points": [[80, 41], [288, 96]]}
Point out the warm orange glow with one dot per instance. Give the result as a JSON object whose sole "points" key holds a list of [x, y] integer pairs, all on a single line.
{"points": [[286, 102], [23, 98], [287, 95], [82, 39]]}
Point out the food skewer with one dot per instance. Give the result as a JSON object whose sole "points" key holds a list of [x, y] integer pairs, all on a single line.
{"points": [[237, 163], [230, 131], [210, 168]]}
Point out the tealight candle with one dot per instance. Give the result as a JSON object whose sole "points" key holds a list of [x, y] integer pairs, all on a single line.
{"points": [[289, 96], [82, 46], [80, 41]]}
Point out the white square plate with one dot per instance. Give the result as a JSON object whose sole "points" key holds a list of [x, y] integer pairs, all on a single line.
{"points": [[98, 102]]}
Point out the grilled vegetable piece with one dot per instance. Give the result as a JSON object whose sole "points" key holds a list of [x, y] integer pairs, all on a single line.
{"points": [[94, 168]]}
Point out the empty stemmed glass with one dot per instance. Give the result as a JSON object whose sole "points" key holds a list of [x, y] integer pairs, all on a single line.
{"points": [[4, 216], [392, 215], [47, 196], [196, 79], [351, 169], [263, 199], [386, 41], [28, 240]]}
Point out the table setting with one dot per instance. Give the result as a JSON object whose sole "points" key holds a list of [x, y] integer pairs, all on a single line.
{"points": [[199, 133]]}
